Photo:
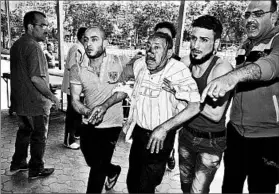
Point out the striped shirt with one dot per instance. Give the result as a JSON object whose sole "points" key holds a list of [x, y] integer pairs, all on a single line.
{"points": [[153, 105]]}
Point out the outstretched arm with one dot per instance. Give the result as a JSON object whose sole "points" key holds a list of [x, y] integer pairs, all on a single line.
{"points": [[220, 86], [264, 69]]}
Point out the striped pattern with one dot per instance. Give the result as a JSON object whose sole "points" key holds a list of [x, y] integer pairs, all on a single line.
{"points": [[153, 104]]}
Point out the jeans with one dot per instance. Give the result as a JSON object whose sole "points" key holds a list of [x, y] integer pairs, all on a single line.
{"points": [[146, 170], [254, 158], [72, 123], [33, 130], [199, 159], [97, 146]]}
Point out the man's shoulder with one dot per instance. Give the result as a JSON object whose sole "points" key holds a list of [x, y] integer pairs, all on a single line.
{"points": [[74, 47], [27, 43], [177, 68], [175, 65], [139, 63], [113, 57], [222, 67]]}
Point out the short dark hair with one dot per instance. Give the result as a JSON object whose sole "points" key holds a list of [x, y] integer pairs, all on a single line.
{"points": [[273, 6], [81, 32], [99, 27], [165, 36], [30, 18], [167, 25], [209, 22]]}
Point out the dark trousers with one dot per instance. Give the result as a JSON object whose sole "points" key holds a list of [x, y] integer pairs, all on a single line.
{"points": [[33, 130], [254, 158], [97, 146], [72, 122], [199, 160], [146, 170]]}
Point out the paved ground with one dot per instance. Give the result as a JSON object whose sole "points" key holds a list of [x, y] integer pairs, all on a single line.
{"points": [[71, 171]]}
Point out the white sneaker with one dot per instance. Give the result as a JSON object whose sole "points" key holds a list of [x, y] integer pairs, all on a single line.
{"points": [[73, 146]]}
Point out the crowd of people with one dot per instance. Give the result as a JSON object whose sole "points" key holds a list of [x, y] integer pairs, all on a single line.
{"points": [[171, 97]]}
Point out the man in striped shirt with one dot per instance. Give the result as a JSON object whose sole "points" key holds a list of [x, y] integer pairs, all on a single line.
{"points": [[155, 114]]}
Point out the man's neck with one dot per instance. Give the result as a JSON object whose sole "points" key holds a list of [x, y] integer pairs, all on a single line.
{"points": [[96, 62], [198, 70], [160, 68], [31, 36]]}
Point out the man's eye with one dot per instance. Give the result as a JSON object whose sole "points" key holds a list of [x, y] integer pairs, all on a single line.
{"points": [[94, 39], [193, 38], [204, 40], [258, 13]]}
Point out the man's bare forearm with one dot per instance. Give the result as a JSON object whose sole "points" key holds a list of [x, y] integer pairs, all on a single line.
{"points": [[115, 98], [190, 111], [41, 85], [250, 72], [80, 107]]}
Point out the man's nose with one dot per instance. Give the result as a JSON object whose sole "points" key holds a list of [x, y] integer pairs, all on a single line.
{"points": [[196, 44], [150, 50], [250, 18]]}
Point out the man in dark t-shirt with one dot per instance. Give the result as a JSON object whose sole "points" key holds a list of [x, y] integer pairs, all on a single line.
{"points": [[31, 96]]}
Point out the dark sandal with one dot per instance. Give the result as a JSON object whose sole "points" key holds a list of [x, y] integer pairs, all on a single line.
{"points": [[112, 181]]}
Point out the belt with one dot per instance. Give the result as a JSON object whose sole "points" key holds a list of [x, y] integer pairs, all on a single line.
{"points": [[207, 135]]}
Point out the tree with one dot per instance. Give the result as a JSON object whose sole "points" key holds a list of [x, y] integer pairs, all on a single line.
{"points": [[193, 10], [78, 15], [230, 13], [143, 16]]}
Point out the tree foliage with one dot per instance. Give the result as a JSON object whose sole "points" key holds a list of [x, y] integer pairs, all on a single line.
{"points": [[230, 13], [131, 19]]}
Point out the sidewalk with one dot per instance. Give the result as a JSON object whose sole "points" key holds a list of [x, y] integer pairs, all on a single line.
{"points": [[71, 171]]}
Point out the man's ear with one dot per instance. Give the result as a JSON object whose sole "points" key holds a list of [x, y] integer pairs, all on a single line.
{"points": [[216, 44], [169, 53], [30, 27], [274, 17]]}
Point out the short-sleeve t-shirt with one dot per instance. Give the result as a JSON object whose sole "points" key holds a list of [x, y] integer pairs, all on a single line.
{"points": [[96, 88], [28, 60]]}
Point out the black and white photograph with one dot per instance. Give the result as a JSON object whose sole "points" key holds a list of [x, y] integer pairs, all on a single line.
{"points": [[139, 96]]}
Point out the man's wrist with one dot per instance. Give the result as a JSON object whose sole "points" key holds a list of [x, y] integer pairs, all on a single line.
{"points": [[235, 77], [87, 112], [105, 105]]}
